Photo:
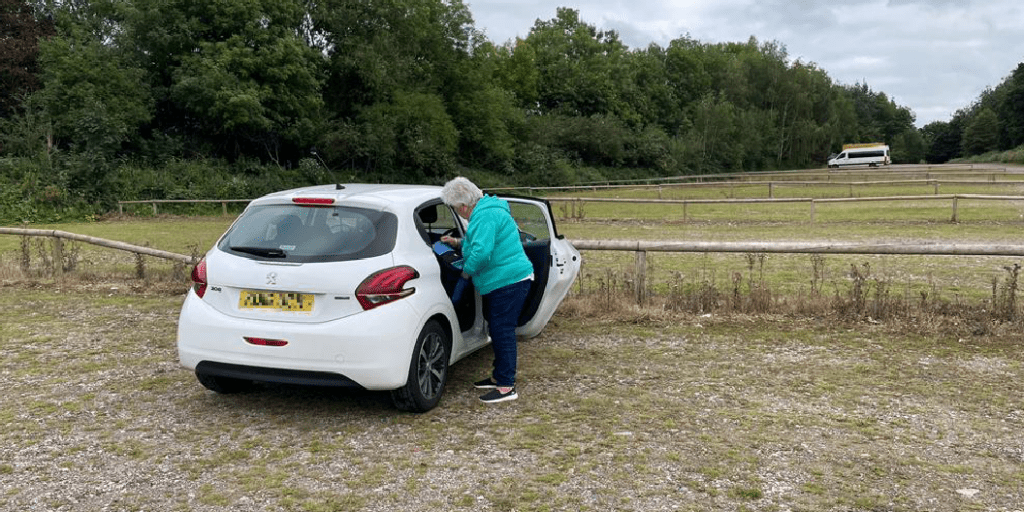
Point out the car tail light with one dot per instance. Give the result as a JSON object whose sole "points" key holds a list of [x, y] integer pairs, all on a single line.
{"points": [[385, 286], [313, 201], [199, 278]]}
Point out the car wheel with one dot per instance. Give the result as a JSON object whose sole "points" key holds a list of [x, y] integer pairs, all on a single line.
{"points": [[224, 385], [428, 371]]}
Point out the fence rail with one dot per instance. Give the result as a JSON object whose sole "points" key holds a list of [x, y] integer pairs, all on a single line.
{"points": [[58, 246], [640, 248], [928, 171], [911, 249], [154, 202], [771, 185], [956, 198]]}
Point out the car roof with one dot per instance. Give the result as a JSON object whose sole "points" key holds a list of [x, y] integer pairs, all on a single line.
{"points": [[381, 195]]}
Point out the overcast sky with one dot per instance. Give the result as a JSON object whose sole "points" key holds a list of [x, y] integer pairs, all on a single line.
{"points": [[931, 56]]}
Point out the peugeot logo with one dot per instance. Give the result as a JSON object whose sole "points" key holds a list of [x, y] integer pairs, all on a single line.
{"points": [[272, 278]]}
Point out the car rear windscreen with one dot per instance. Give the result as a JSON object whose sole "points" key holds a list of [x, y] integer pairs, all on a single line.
{"points": [[304, 234]]}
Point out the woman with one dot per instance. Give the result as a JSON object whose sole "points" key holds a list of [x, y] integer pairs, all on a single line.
{"points": [[493, 257]]}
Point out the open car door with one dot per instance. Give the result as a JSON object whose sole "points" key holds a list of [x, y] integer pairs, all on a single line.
{"points": [[556, 263]]}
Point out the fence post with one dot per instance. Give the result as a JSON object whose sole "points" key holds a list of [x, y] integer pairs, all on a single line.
{"points": [[154, 208], [771, 189], [224, 208], [640, 281], [812, 211], [120, 208], [954, 210], [58, 258]]}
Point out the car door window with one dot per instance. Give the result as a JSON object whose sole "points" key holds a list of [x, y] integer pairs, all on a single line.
{"points": [[533, 226], [434, 220]]}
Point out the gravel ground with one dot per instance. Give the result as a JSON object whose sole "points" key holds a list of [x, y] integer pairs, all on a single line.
{"points": [[652, 414]]}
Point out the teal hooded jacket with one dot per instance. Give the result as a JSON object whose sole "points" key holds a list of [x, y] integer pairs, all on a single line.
{"points": [[492, 251]]}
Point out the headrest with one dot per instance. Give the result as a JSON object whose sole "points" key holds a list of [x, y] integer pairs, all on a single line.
{"points": [[428, 215]]}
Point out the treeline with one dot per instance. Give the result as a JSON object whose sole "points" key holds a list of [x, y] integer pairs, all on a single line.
{"points": [[111, 99], [993, 123]]}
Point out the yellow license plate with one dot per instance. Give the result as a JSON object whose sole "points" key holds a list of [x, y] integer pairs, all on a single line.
{"points": [[280, 301]]}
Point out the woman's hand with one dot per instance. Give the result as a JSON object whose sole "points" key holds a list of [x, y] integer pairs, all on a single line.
{"points": [[452, 241]]}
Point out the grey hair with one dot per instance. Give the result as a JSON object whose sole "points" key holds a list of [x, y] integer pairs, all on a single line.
{"points": [[460, 191]]}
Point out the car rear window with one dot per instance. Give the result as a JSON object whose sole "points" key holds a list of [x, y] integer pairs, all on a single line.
{"points": [[304, 234]]}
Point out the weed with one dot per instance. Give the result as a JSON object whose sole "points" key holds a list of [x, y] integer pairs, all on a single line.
{"points": [[817, 274], [140, 266], [26, 255], [572, 210], [746, 493], [70, 256], [759, 296], [1005, 305]]}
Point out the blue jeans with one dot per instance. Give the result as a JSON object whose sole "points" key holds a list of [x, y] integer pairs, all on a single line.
{"points": [[501, 310]]}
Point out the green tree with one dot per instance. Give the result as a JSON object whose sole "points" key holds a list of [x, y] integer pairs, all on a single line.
{"points": [[582, 71], [1011, 111], [942, 140], [908, 148], [385, 54], [413, 133], [654, 94], [235, 77], [515, 70], [687, 70], [93, 98], [487, 115], [94, 103], [981, 134], [20, 31]]}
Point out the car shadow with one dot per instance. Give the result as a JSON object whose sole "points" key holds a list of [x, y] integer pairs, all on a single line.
{"points": [[284, 400]]}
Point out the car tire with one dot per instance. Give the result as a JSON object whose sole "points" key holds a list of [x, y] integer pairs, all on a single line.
{"points": [[225, 385], [428, 371]]}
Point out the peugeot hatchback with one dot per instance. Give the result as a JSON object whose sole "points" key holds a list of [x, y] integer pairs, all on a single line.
{"points": [[342, 285]]}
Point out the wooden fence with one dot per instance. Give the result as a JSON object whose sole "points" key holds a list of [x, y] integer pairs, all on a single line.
{"points": [[928, 172], [154, 202], [639, 248], [955, 198], [58, 245], [574, 202], [771, 186]]}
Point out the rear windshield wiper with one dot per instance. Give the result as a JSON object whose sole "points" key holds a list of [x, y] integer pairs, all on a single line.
{"points": [[266, 252]]}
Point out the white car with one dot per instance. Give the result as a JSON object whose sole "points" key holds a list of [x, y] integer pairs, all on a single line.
{"points": [[340, 285]]}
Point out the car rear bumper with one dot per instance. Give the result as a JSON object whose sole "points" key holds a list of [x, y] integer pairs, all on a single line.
{"points": [[298, 377], [369, 349]]}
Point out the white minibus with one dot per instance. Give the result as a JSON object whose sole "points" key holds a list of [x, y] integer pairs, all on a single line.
{"points": [[872, 156]]}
